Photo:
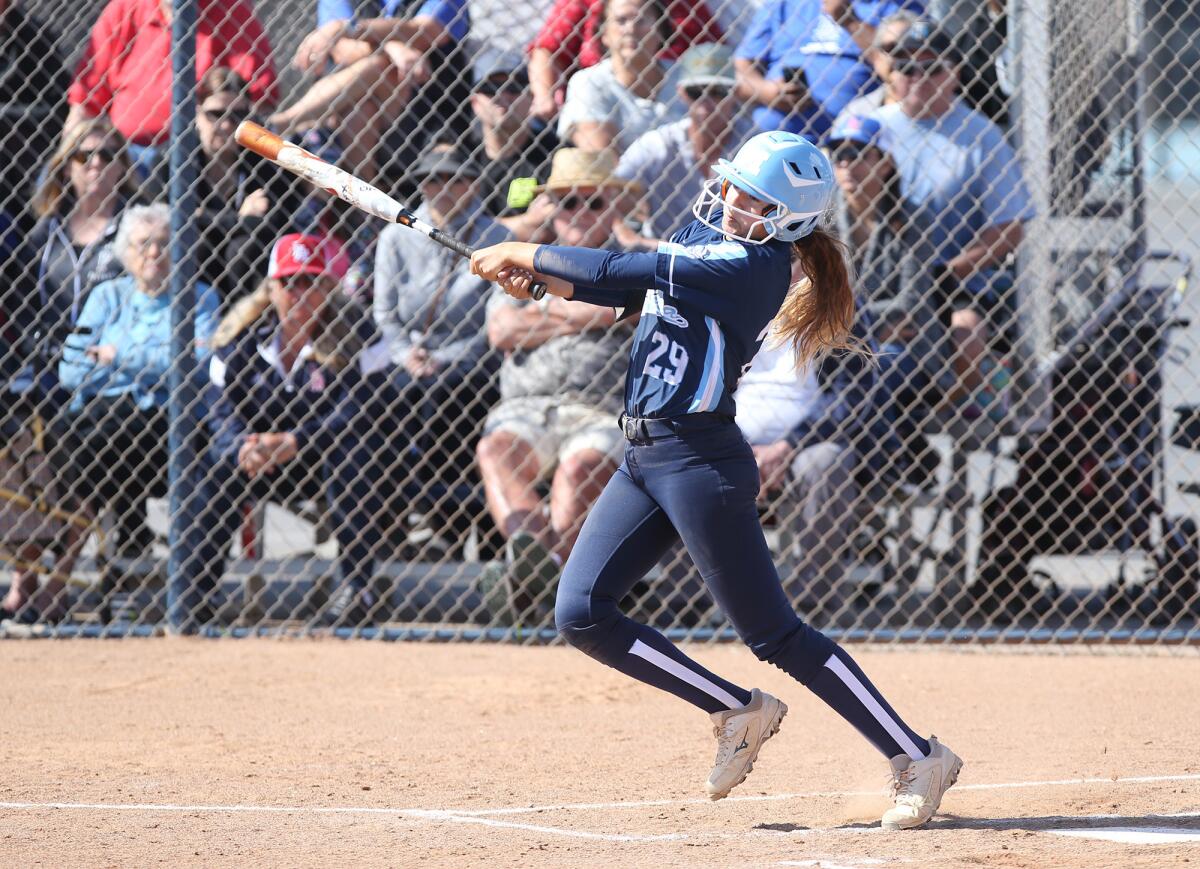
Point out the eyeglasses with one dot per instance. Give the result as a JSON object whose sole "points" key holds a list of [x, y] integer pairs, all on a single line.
{"points": [[712, 91], [233, 115], [84, 156], [911, 68], [574, 203], [145, 245]]}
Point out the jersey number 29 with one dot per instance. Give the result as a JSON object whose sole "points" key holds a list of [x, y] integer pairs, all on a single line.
{"points": [[676, 361]]}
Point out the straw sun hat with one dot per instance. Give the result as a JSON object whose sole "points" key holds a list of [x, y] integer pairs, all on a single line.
{"points": [[572, 168]]}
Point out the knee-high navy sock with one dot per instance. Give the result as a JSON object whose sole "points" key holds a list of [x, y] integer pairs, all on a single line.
{"points": [[843, 685], [643, 653]]}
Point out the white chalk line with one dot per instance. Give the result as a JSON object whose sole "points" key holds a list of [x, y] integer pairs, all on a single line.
{"points": [[638, 804], [481, 816]]}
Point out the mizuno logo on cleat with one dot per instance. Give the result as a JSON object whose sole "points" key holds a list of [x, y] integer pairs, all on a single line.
{"points": [[743, 745]]}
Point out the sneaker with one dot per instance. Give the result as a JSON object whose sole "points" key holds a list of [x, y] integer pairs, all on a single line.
{"points": [[740, 735], [918, 786]]}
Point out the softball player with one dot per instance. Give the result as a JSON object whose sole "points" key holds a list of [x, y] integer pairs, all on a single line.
{"points": [[714, 290]]}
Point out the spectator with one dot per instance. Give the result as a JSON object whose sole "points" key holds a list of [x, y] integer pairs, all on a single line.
{"points": [[570, 40], [401, 72], [246, 202], [989, 67], [116, 423], [430, 310], [32, 90], [889, 32], [559, 394], [822, 438], [891, 252], [671, 163], [125, 69], [802, 61], [958, 177], [891, 257], [610, 104], [79, 203], [516, 149], [290, 395]]}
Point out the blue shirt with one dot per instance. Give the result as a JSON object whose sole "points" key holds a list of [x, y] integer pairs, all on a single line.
{"points": [[706, 302], [958, 176], [796, 33], [451, 14], [139, 326]]}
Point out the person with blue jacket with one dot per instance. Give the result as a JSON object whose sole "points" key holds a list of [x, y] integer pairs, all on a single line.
{"points": [[293, 391], [115, 372]]}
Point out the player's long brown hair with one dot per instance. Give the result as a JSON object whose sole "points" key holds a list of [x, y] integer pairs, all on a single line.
{"points": [[818, 313]]}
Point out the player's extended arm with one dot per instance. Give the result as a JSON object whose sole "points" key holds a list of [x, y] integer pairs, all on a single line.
{"points": [[599, 277]]}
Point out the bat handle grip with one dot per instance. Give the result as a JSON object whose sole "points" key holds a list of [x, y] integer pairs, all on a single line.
{"points": [[537, 291]]}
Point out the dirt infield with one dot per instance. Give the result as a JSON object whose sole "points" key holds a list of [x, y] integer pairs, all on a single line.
{"points": [[181, 752]]}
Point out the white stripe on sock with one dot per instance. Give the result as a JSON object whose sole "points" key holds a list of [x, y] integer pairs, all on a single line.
{"points": [[868, 700], [676, 669]]}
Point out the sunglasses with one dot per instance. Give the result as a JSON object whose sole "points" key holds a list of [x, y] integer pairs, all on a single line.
{"points": [[83, 157], [234, 116], [574, 203], [490, 88], [848, 152], [911, 68], [699, 92]]}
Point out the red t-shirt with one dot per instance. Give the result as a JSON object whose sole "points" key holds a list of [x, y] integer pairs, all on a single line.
{"points": [[125, 70], [572, 31]]}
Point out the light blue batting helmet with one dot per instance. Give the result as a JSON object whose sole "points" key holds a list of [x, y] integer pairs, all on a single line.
{"points": [[782, 168]]}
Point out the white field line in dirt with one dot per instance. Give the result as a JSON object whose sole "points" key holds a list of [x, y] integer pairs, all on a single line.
{"points": [[480, 815], [638, 804]]}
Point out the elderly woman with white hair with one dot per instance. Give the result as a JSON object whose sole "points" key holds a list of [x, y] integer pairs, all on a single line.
{"points": [[116, 371]]}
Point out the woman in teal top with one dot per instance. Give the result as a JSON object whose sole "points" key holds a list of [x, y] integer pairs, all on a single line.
{"points": [[115, 444]]}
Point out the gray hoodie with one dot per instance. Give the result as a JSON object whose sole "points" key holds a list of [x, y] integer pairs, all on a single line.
{"points": [[426, 296]]}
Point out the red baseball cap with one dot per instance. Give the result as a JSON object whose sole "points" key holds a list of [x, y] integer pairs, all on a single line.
{"points": [[298, 254]]}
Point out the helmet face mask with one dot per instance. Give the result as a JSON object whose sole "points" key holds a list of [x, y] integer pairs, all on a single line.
{"points": [[779, 168]]}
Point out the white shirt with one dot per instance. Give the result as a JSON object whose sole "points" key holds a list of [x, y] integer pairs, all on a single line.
{"points": [[773, 397], [595, 95]]}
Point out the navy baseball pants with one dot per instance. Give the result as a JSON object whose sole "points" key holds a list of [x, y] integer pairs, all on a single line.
{"points": [[698, 480]]}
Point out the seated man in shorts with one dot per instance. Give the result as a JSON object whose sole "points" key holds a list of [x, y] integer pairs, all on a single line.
{"points": [[560, 395]]}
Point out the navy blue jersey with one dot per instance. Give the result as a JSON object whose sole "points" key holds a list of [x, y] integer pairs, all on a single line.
{"points": [[706, 301]]}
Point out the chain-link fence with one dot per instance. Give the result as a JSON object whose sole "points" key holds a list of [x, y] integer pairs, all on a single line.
{"points": [[385, 444]]}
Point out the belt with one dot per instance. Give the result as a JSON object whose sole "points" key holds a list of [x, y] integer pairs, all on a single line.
{"points": [[640, 430]]}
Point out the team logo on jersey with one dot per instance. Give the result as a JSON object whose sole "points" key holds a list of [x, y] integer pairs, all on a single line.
{"points": [[654, 305]]}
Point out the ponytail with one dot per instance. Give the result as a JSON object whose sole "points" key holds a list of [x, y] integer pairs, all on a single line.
{"points": [[818, 313]]}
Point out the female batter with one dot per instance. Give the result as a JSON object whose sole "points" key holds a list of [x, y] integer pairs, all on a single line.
{"points": [[714, 290]]}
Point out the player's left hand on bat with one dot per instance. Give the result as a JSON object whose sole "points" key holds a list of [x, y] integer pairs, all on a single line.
{"points": [[516, 282]]}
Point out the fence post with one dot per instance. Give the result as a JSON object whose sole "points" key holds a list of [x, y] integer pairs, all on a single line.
{"points": [[183, 409]]}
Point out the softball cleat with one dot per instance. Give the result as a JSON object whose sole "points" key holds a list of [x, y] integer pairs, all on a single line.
{"points": [[919, 785], [740, 735]]}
